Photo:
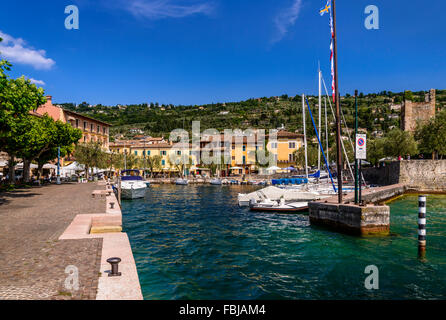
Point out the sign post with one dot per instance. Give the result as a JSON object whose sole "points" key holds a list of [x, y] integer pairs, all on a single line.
{"points": [[361, 154]]}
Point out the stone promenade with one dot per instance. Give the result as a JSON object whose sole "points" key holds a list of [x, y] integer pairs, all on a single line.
{"points": [[32, 259]]}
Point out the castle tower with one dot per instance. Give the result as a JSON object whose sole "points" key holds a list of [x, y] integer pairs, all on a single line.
{"points": [[413, 113]]}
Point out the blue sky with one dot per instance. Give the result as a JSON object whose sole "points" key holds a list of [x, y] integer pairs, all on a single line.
{"points": [[204, 51]]}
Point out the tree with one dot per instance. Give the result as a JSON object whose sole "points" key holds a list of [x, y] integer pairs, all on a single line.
{"points": [[299, 156], [375, 151], [90, 155], [432, 136], [399, 143], [17, 98], [153, 163]]}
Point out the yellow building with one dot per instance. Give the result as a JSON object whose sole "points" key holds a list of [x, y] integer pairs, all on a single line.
{"points": [[242, 152], [283, 149]]}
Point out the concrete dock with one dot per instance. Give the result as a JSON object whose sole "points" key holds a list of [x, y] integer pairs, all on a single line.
{"points": [[40, 236]]}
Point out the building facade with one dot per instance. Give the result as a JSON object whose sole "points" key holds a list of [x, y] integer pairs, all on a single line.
{"points": [[92, 129], [236, 156]]}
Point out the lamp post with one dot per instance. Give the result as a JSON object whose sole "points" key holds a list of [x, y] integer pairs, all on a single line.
{"points": [[58, 165]]}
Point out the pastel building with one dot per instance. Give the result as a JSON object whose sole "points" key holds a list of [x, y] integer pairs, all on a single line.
{"points": [[92, 129]]}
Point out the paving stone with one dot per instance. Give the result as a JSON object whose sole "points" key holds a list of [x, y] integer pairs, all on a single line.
{"points": [[32, 259]]}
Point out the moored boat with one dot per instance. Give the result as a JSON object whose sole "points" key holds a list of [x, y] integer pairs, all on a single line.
{"points": [[274, 206], [216, 182], [132, 185], [181, 182]]}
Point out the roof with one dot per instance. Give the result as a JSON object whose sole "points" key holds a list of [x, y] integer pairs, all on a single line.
{"points": [[87, 117], [289, 135]]}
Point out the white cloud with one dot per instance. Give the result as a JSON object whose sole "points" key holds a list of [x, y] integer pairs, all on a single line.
{"points": [[286, 19], [159, 9], [17, 51], [37, 82]]}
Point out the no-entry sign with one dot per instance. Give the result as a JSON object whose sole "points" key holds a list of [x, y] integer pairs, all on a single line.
{"points": [[361, 146]]}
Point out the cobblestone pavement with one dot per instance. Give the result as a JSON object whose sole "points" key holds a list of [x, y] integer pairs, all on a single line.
{"points": [[32, 261]]}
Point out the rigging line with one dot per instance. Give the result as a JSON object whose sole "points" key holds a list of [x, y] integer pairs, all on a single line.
{"points": [[345, 124], [320, 144], [342, 142]]}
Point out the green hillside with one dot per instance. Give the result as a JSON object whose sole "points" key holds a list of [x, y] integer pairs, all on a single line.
{"points": [[273, 112]]}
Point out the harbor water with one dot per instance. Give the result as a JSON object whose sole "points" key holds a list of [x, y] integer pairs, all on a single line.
{"points": [[194, 242]]}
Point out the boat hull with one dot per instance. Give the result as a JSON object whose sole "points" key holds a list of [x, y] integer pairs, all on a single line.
{"points": [[276, 209], [133, 193]]}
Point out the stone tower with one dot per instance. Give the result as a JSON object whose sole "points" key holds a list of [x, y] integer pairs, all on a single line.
{"points": [[417, 112]]}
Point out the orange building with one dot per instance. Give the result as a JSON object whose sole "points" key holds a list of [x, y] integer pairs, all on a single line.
{"points": [[92, 129]]}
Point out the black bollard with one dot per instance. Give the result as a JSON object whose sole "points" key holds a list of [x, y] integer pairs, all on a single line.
{"points": [[114, 265], [112, 205]]}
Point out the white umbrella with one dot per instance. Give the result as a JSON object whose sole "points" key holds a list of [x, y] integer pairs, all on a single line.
{"points": [[49, 166], [20, 166], [273, 168], [235, 168]]}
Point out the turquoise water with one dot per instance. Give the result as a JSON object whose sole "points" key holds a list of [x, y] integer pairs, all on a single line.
{"points": [[194, 242]]}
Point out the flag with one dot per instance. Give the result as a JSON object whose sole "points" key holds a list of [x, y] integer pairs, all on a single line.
{"points": [[326, 9], [323, 11]]}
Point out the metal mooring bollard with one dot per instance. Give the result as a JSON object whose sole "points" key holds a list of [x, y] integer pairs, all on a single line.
{"points": [[421, 225], [112, 205], [114, 265]]}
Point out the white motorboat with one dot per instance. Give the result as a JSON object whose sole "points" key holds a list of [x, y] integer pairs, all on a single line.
{"points": [[181, 182], [274, 206], [216, 182], [132, 185]]}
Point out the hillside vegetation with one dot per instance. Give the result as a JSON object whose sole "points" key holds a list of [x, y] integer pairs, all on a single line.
{"points": [[375, 114]]}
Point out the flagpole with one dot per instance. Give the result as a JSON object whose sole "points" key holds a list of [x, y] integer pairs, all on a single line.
{"points": [[320, 121], [305, 135], [338, 113]]}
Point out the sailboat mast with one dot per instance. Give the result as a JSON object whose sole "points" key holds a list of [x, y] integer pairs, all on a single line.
{"points": [[338, 110], [320, 120], [305, 135]]}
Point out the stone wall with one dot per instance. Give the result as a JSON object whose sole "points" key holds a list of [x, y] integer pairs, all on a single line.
{"points": [[423, 174], [413, 112], [368, 220]]}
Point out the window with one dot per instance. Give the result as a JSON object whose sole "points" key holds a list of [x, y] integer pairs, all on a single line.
{"points": [[99, 129], [103, 130], [163, 162], [233, 157], [136, 153], [117, 150], [233, 147], [244, 160], [292, 145], [148, 153], [291, 157], [274, 145], [179, 153], [163, 153], [91, 127], [85, 125], [85, 139], [244, 147], [77, 123]]}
